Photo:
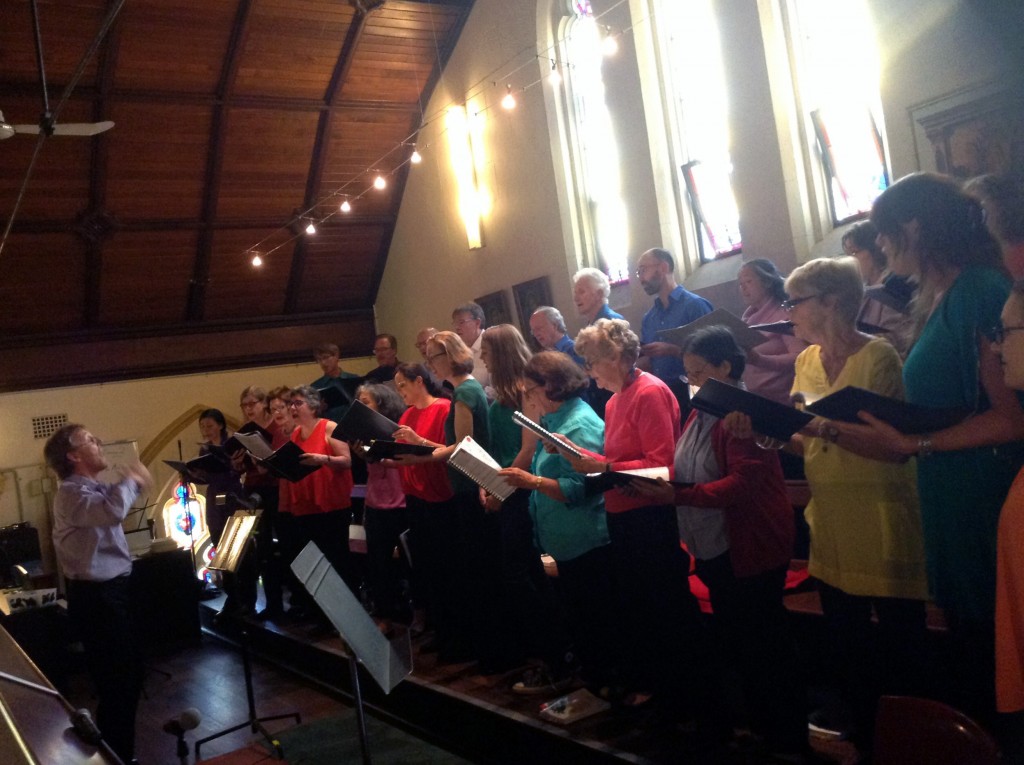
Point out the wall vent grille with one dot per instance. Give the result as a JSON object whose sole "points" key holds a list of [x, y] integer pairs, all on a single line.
{"points": [[46, 425]]}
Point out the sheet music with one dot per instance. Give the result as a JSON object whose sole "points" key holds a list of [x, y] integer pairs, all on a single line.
{"points": [[473, 461], [255, 444], [547, 436]]}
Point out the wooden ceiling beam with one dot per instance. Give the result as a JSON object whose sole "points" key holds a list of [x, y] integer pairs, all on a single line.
{"points": [[94, 232], [214, 162], [320, 151], [190, 224]]}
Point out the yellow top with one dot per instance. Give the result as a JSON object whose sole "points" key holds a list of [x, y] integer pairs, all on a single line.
{"points": [[864, 516]]}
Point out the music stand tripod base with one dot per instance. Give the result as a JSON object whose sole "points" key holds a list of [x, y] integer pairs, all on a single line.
{"points": [[237, 534]]}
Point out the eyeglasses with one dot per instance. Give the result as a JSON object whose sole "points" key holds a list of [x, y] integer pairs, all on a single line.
{"points": [[90, 440], [279, 408], [296, 402], [641, 270], [250, 402], [401, 384], [460, 322], [382, 350], [789, 305], [999, 333], [436, 355]]}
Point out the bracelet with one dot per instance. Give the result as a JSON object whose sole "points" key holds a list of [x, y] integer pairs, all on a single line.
{"points": [[768, 443], [607, 467], [537, 481], [925, 447]]}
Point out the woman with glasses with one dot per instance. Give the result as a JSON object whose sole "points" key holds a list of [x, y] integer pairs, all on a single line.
{"points": [[461, 527], [320, 503], [571, 526], [737, 521], [770, 365], [860, 242], [866, 545], [1009, 643], [930, 229], [660, 617]]}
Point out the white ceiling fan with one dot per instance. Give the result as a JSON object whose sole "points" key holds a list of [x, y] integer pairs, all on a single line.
{"points": [[7, 130], [48, 125]]}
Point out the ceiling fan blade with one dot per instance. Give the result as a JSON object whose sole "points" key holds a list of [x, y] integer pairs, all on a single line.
{"points": [[83, 128], [71, 128]]}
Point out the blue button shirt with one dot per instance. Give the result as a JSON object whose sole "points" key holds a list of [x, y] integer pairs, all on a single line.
{"points": [[606, 312], [568, 347], [683, 307]]}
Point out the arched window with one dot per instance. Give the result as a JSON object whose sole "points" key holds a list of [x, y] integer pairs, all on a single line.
{"points": [[692, 58], [592, 147], [836, 77]]}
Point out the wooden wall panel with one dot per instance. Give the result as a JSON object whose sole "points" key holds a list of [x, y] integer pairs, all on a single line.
{"points": [[239, 290], [292, 48], [145, 278], [339, 266], [80, 361], [43, 287], [161, 37], [157, 160], [266, 162]]}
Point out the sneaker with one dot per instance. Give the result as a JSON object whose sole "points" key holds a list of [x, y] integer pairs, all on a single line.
{"points": [[538, 680]]}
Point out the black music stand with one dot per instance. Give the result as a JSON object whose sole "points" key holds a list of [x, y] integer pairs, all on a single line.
{"points": [[388, 661], [233, 543]]}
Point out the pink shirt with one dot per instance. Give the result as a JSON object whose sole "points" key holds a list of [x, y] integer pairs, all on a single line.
{"points": [[772, 375], [383, 487], [640, 431]]}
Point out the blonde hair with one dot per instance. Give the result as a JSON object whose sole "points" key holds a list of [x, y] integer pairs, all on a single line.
{"points": [[839, 277], [459, 355], [606, 339]]}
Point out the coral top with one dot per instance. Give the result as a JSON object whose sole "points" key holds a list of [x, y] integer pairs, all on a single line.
{"points": [[323, 490]]}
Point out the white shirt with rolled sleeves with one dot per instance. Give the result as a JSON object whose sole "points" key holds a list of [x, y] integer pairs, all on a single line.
{"points": [[87, 534]]}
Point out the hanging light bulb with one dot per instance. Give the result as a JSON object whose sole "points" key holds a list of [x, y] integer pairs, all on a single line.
{"points": [[346, 207], [555, 78], [415, 157], [609, 45], [509, 101], [379, 182], [311, 229], [257, 261]]}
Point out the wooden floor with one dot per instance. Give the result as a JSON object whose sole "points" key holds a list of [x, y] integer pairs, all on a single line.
{"points": [[209, 677]]}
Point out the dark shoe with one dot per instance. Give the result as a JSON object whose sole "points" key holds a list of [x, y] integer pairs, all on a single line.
{"points": [[538, 680]]}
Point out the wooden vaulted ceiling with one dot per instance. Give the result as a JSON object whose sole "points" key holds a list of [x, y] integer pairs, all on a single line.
{"points": [[129, 254]]}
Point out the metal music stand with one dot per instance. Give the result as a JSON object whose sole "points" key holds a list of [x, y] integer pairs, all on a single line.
{"points": [[234, 541], [388, 661]]}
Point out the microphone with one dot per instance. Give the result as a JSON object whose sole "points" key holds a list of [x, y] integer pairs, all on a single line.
{"points": [[187, 720], [85, 727]]}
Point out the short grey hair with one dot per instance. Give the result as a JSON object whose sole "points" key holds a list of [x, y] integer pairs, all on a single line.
{"points": [[831, 276], [553, 315], [598, 278]]}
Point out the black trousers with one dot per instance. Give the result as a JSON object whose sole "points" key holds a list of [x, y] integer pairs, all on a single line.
{"points": [[101, 614], [587, 588], [889, 657], [754, 635], [383, 528]]}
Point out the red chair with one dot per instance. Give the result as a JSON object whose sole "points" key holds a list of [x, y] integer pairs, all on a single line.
{"points": [[912, 731]]}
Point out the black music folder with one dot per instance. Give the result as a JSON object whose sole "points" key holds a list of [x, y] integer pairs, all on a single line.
{"points": [[361, 423], [380, 449], [786, 328], [599, 483], [744, 335], [199, 469], [767, 417], [285, 463], [844, 404], [233, 445], [340, 392]]}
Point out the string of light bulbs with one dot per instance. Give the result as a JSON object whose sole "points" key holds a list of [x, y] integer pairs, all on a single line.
{"points": [[305, 222]]}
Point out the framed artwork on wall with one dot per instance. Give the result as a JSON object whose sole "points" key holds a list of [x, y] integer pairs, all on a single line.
{"points": [[530, 296], [496, 310]]}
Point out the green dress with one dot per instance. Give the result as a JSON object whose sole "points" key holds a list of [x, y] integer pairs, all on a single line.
{"points": [[961, 492], [471, 393]]}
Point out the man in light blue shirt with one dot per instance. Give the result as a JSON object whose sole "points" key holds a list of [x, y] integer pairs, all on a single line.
{"points": [[548, 328], [93, 554], [673, 307]]}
